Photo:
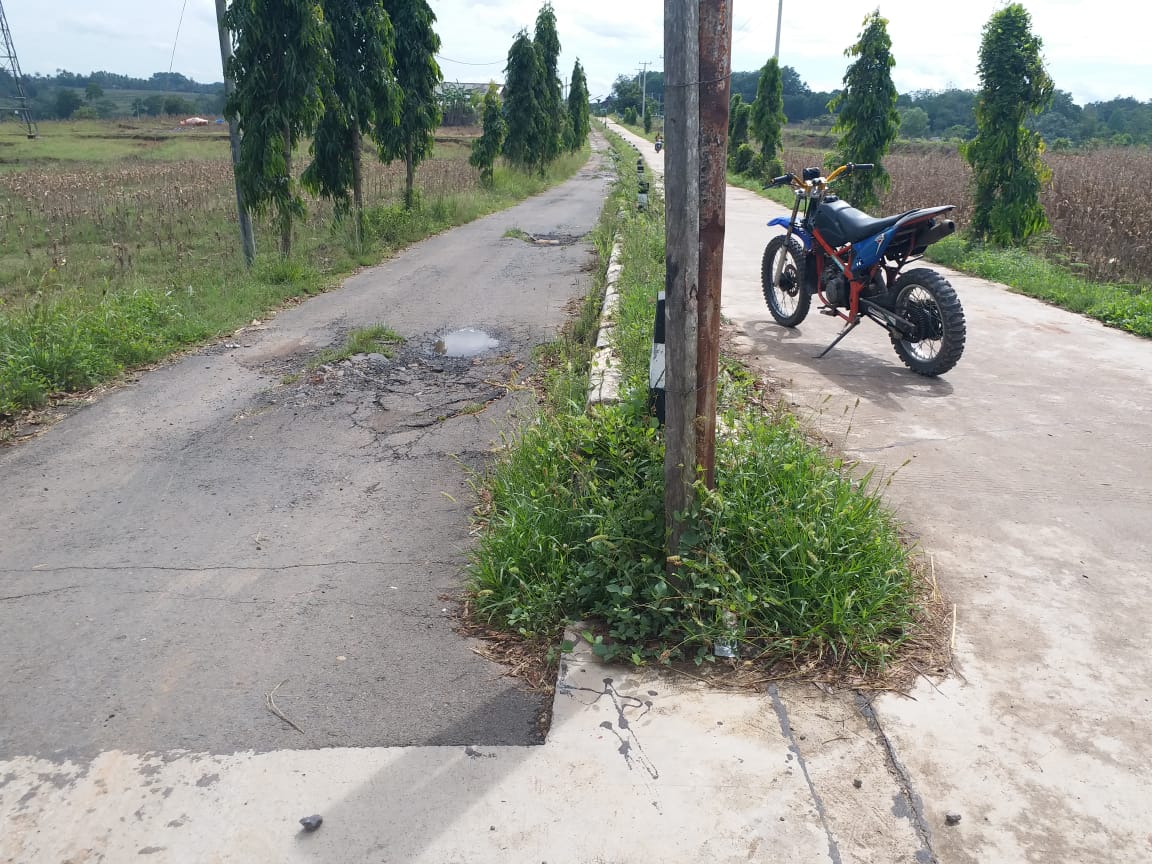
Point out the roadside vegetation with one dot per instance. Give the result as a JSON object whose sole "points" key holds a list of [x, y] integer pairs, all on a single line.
{"points": [[120, 248], [791, 560]]}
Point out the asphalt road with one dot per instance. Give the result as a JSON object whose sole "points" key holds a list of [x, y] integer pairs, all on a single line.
{"points": [[1025, 474], [235, 525]]}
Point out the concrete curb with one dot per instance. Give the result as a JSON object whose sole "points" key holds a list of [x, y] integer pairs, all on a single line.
{"points": [[604, 373]]}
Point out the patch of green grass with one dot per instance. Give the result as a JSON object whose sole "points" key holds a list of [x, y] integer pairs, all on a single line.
{"points": [[789, 555], [68, 344], [1125, 306], [376, 339], [517, 234], [97, 141]]}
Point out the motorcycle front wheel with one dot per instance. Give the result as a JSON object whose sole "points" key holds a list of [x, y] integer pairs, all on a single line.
{"points": [[928, 301], [781, 276]]}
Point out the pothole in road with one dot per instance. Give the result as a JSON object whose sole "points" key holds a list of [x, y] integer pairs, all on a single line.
{"points": [[544, 239], [464, 343], [401, 399]]}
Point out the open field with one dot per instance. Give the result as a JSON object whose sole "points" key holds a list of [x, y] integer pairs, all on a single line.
{"points": [[119, 243]]}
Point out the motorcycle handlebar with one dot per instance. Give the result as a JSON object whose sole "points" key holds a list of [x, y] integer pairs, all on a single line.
{"points": [[781, 180], [862, 166]]}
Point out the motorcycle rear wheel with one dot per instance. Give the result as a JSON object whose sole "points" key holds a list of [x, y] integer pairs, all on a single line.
{"points": [[928, 300], [787, 299]]}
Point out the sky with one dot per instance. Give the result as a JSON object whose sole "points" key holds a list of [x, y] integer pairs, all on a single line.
{"points": [[1092, 50]]}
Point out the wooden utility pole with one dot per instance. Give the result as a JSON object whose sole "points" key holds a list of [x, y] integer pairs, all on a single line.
{"points": [[715, 86], [247, 238], [681, 256]]}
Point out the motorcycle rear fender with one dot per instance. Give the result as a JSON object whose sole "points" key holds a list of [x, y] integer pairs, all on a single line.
{"points": [[797, 231]]}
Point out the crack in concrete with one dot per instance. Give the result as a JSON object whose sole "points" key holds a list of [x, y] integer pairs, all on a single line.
{"points": [[915, 804], [817, 801], [35, 593], [203, 569]]}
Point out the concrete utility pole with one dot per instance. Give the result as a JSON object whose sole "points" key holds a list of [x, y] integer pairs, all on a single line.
{"points": [[247, 238], [715, 88], [779, 18], [681, 256], [644, 88]]}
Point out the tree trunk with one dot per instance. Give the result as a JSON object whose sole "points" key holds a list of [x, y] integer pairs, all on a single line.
{"points": [[286, 208], [357, 189], [410, 182], [247, 238]]}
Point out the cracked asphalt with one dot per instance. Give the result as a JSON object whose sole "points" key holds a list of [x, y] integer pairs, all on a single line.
{"points": [[236, 523]]}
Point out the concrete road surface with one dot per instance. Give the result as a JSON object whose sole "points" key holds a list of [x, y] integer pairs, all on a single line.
{"points": [[1026, 476], [238, 523]]}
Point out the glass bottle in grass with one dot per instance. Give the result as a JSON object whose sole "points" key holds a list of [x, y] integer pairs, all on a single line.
{"points": [[727, 646]]}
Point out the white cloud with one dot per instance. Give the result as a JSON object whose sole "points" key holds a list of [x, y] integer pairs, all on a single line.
{"points": [[1091, 49]]}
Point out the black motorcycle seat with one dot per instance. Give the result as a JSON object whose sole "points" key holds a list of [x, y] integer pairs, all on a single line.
{"points": [[841, 223]]}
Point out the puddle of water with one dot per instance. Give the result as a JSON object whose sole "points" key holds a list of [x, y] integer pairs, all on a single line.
{"points": [[465, 343]]}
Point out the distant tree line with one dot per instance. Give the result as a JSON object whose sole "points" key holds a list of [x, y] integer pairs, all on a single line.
{"points": [[169, 82], [69, 95], [100, 95], [946, 114]]}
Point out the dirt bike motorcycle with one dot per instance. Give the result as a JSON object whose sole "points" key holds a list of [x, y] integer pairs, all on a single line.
{"points": [[855, 265], [659, 145]]}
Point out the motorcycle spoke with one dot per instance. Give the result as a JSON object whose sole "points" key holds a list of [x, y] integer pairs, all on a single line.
{"points": [[925, 314]]}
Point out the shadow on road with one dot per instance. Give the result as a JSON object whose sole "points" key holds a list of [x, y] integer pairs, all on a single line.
{"points": [[881, 380]]}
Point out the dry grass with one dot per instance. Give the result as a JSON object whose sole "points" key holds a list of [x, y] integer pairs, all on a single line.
{"points": [[64, 222]]}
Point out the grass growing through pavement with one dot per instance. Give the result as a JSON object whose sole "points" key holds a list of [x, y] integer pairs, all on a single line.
{"points": [[377, 339], [108, 263], [789, 556], [1126, 306]]}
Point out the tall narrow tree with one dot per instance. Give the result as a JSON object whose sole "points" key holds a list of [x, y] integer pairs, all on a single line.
{"points": [[578, 123], [486, 148], [733, 106], [364, 98], [418, 76], [768, 112], [281, 69], [1005, 156], [867, 119], [547, 44], [523, 143]]}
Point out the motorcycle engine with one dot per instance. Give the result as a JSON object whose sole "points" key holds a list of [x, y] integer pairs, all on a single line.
{"points": [[835, 286]]}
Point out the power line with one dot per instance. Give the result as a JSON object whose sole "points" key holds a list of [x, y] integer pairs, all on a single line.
{"points": [[179, 24], [461, 62]]}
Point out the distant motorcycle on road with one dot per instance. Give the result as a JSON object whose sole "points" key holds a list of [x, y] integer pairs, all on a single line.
{"points": [[855, 265], [659, 144]]}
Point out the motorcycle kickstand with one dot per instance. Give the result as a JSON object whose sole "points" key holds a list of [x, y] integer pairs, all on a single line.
{"points": [[852, 325]]}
